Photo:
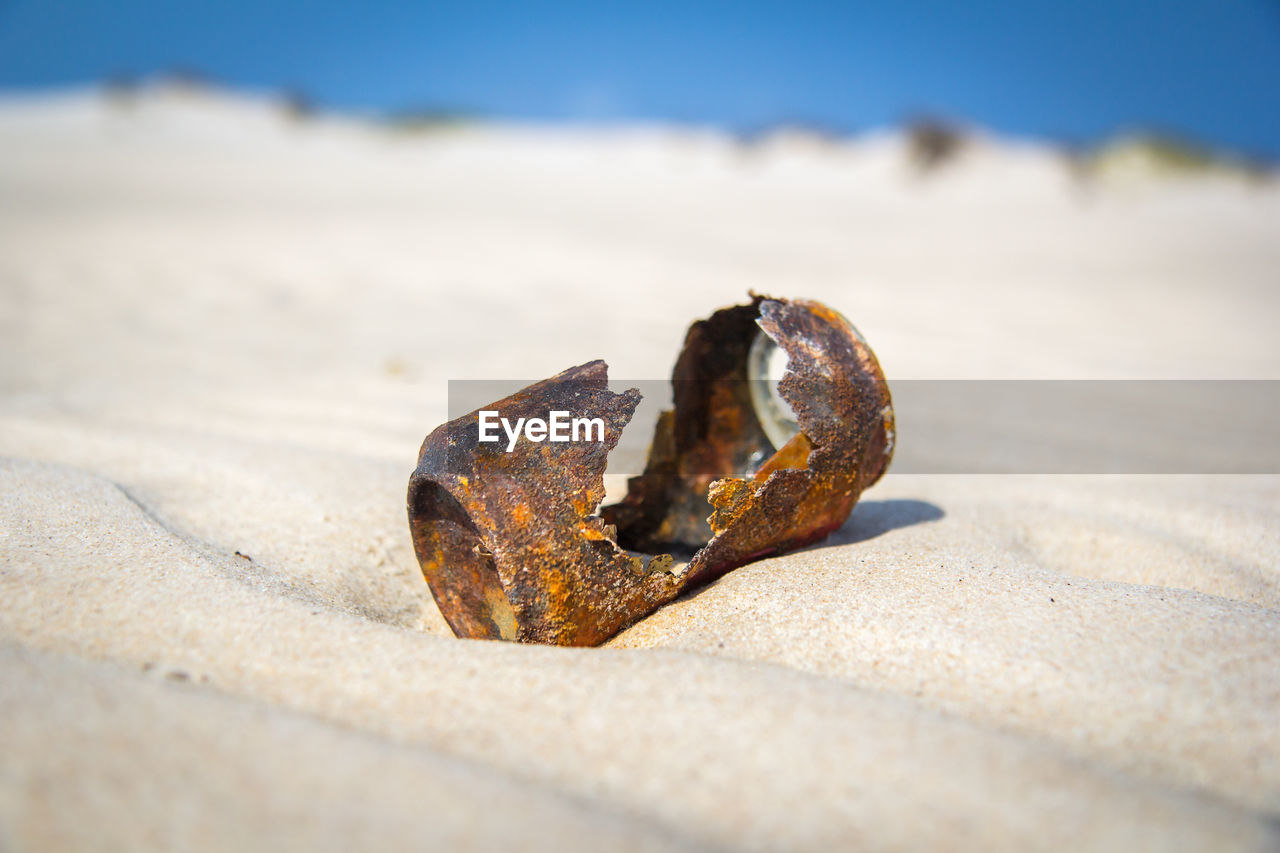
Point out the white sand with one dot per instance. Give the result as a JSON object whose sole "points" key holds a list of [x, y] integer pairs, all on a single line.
{"points": [[221, 332]]}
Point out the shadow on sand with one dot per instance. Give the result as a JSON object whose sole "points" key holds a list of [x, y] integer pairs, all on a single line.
{"points": [[874, 518], [869, 520]]}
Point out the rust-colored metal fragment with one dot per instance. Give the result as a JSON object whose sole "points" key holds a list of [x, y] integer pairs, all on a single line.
{"points": [[511, 545]]}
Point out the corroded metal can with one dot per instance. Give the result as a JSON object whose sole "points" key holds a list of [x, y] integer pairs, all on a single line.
{"points": [[512, 539]]}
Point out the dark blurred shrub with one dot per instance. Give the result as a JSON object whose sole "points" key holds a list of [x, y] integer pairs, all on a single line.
{"points": [[933, 143]]}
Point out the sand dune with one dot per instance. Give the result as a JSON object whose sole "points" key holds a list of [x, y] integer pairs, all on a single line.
{"points": [[226, 330]]}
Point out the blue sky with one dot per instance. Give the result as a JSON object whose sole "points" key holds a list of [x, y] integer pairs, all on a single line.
{"points": [[1072, 69]]}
